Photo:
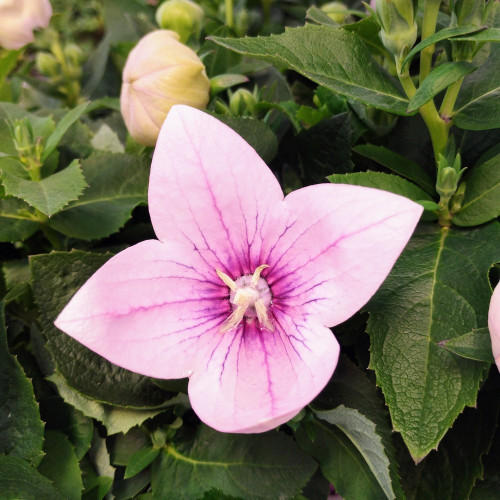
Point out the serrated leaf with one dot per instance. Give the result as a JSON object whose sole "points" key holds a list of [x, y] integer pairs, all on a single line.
{"points": [[140, 460], [256, 466], [426, 300], [15, 224], [21, 430], [50, 194], [349, 69], [117, 184], [482, 195], [398, 164], [115, 419], [56, 277], [478, 103], [443, 34], [19, 480], [60, 465], [473, 345], [437, 80], [362, 433], [61, 128]]}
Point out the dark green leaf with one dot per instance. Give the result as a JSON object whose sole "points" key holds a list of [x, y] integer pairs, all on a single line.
{"points": [[50, 194], [473, 345], [478, 104], [56, 277], [117, 183], [349, 69], [482, 195], [21, 430], [368, 29], [123, 446], [60, 465], [218, 60], [340, 461], [62, 126], [437, 80], [256, 466], [15, 224], [20, 481], [398, 164], [424, 301], [140, 460], [444, 34]]}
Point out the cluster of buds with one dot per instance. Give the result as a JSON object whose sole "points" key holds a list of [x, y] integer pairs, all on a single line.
{"points": [[63, 68], [28, 147], [182, 16], [448, 177], [398, 25]]}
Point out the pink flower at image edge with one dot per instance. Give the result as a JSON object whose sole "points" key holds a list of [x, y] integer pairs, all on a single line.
{"points": [[243, 285], [494, 324]]}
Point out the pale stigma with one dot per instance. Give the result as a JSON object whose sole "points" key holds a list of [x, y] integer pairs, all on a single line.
{"points": [[250, 297]]}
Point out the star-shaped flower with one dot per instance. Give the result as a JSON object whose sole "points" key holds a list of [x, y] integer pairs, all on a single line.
{"points": [[240, 290]]}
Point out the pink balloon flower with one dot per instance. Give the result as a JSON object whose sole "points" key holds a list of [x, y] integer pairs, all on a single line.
{"points": [[240, 290], [494, 324]]}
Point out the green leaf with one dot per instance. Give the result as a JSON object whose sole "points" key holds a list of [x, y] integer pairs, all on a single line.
{"points": [[61, 128], [444, 34], [477, 106], [19, 480], [482, 195], [437, 80], [106, 139], [255, 132], [117, 184], [473, 345], [115, 419], [21, 430], [424, 301], [50, 194], [256, 466], [362, 433], [340, 461], [15, 224], [316, 15], [398, 164], [8, 61], [349, 69], [55, 278], [60, 465], [222, 82], [123, 446], [486, 35], [140, 460]]}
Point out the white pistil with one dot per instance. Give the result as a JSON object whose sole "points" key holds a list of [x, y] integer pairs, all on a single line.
{"points": [[251, 296]]}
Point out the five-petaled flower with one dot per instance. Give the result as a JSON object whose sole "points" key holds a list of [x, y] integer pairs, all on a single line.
{"points": [[240, 290]]}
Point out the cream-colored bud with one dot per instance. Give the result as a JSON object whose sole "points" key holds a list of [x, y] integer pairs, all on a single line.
{"points": [[160, 72], [182, 16], [19, 18]]}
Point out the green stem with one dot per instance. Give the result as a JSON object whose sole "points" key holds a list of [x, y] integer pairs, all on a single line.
{"points": [[229, 13], [450, 97], [266, 8], [431, 10]]}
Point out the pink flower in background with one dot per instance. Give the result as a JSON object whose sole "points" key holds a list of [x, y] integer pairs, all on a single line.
{"points": [[240, 290], [494, 324], [19, 18]]}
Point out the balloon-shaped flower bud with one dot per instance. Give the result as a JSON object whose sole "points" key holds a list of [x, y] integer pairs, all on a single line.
{"points": [[494, 324], [160, 72], [336, 11], [242, 103], [20, 18], [448, 177], [398, 26], [182, 16]]}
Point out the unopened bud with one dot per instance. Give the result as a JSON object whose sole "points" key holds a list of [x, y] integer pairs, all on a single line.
{"points": [[242, 103], [336, 11], [22, 133], [447, 182], [47, 64], [458, 198], [182, 16], [73, 54]]}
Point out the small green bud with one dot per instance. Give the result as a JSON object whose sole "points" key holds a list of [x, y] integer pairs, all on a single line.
{"points": [[182, 16], [336, 11], [458, 198], [242, 103], [22, 133], [447, 182], [47, 64], [73, 54]]}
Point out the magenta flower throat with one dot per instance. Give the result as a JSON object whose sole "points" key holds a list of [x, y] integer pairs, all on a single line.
{"points": [[240, 289]]}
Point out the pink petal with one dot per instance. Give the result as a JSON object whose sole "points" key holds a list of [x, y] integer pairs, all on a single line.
{"points": [[210, 190], [494, 324], [255, 379], [151, 309], [331, 246]]}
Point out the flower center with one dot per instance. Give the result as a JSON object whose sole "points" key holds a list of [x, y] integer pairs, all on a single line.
{"points": [[250, 298]]}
